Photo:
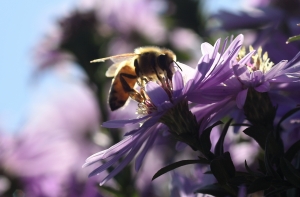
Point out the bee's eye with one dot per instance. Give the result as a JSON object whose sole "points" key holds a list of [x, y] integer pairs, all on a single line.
{"points": [[162, 61], [162, 56]]}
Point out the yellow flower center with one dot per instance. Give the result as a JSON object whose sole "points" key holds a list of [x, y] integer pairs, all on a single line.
{"points": [[259, 61]]}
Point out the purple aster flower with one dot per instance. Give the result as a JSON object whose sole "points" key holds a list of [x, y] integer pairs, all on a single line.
{"points": [[185, 184], [51, 186], [164, 101], [153, 161], [271, 23], [241, 151], [56, 130], [47, 54], [214, 68], [222, 78], [257, 72], [291, 127], [166, 107], [145, 13], [242, 192], [31, 159]]}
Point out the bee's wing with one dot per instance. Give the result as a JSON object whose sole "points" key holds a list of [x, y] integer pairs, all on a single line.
{"points": [[116, 58], [111, 71]]}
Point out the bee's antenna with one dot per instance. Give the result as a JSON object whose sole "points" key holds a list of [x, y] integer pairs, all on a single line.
{"points": [[177, 65]]}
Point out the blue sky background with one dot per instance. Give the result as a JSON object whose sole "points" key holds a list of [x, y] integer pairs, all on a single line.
{"points": [[23, 24]]}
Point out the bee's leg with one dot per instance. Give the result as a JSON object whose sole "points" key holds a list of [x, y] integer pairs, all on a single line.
{"points": [[135, 95], [144, 81], [141, 82], [143, 94], [139, 74], [132, 92], [158, 76]]}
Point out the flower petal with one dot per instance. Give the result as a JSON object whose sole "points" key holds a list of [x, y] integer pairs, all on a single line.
{"points": [[241, 71], [177, 81], [107, 164], [188, 72], [122, 123], [180, 146], [135, 131], [153, 120], [122, 145], [294, 61], [246, 58], [275, 71], [287, 78], [264, 87], [204, 66], [232, 48], [156, 93], [241, 98], [124, 162], [188, 87], [256, 77], [153, 134], [177, 84], [206, 48]]}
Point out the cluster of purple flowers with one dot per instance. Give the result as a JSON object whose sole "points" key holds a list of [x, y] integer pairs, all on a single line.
{"points": [[222, 84], [41, 158], [229, 113]]}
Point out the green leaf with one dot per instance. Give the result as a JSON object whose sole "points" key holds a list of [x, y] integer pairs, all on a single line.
{"points": [[177, 165], [262, 183], [239, 180], [290, 173], [285, 116], [270, 152], [222, 168], [262, 166], [110, 190], [292, 39], [203, 160], [205, 142], [294, 192], [240, 173], [247, 168], [277, 191], [258, 133], [219, 149], [292, 151], [256, 174], [215, 190], [241, 124]]}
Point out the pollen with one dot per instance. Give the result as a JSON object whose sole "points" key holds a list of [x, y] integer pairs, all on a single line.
{"points": [[259, 61], [146, 106]]}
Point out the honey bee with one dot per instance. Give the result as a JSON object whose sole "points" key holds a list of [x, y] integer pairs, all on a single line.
{"points": [[145, 64]]}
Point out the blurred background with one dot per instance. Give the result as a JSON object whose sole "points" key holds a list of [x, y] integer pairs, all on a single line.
{"points": [[53, 100]]}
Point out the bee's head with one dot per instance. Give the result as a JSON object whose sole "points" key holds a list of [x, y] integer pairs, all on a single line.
{"points": [[165, 62]]}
